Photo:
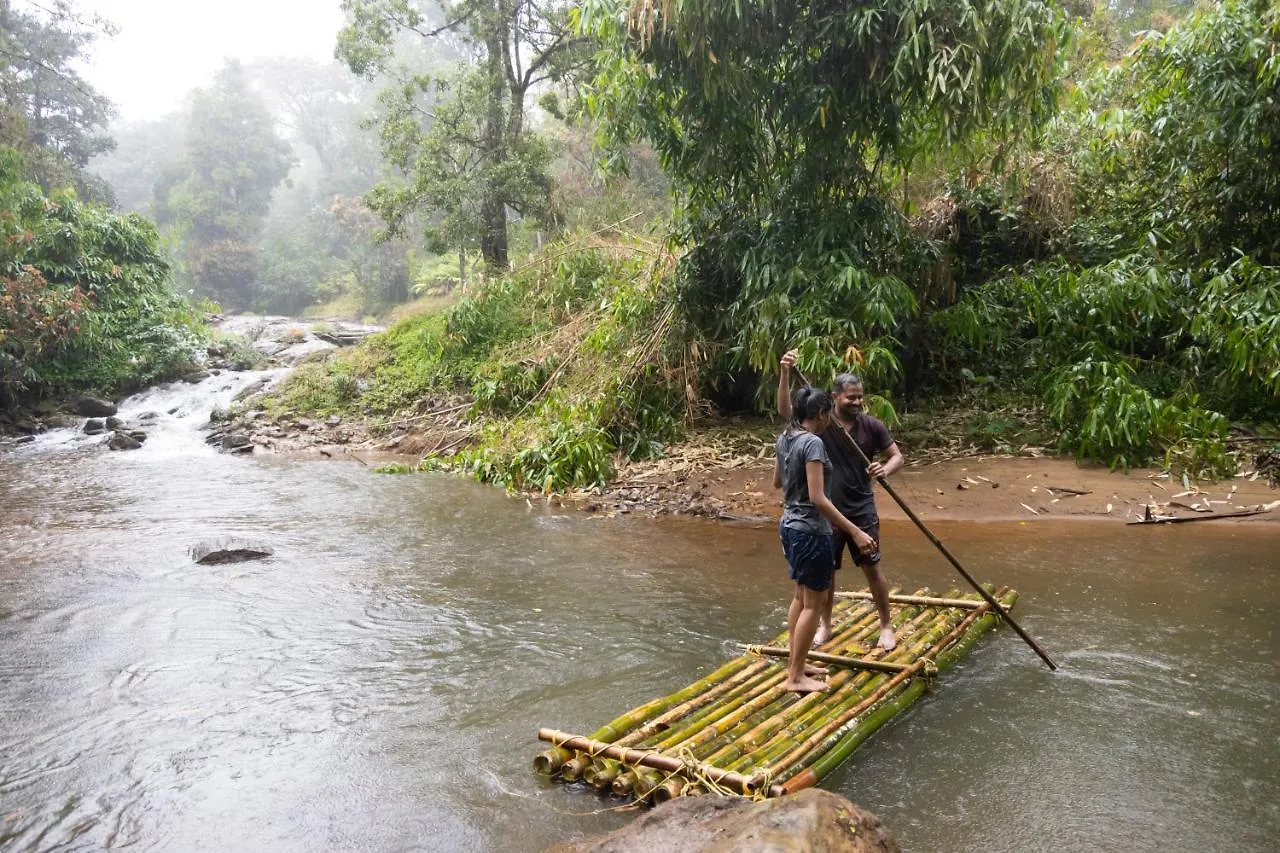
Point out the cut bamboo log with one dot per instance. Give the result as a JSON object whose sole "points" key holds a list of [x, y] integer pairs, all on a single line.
{"points": [[772, 756], [931, 601], [692, 769], [551, 760], [822, 657], [824, 764], [795, 763]]}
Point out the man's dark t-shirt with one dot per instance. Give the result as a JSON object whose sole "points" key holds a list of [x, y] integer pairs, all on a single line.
{"points": [[851, 487]]}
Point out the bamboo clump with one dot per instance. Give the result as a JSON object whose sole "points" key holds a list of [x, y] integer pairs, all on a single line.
{"points": [[738, 731]]}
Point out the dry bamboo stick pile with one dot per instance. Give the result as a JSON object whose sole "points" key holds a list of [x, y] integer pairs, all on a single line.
{"points": [[738, 731]]}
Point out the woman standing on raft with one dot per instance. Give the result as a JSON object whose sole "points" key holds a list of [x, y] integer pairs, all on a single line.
{"points": [[803, 472]]}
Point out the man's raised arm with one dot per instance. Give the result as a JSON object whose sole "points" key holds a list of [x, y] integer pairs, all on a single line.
{"points": [[783, 398]]}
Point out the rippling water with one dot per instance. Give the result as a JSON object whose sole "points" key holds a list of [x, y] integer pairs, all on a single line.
{"points": [[377, 683]]}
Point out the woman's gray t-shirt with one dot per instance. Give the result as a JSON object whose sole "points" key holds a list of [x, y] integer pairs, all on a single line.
{"points": [[794, 453]]}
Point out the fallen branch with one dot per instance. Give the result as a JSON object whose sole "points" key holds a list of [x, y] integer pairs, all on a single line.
{"points": [[1178, 519], [1067, 491]]}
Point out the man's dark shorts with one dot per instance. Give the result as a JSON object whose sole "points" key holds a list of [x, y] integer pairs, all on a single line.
{"points": [[810, 557], [868, 524]]}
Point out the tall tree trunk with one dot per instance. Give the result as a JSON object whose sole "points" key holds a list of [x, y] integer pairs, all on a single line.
{"points": [[493, 208]]}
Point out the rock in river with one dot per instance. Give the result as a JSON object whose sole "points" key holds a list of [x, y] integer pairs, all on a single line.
{"points": [[228, 551], [92, 407], [812, 820]]}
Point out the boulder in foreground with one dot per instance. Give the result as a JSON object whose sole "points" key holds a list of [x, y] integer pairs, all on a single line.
{"points": [[811, 821]]}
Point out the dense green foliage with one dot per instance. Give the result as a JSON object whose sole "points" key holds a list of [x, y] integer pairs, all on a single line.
{"points": [[1157, 324], [85, 298], [942, 193], [785, 127], [569, 361]]}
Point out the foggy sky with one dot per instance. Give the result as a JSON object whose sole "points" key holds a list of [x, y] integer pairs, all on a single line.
{"points": [[165, 48]]}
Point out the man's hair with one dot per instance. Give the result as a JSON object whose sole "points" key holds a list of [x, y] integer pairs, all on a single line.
{"points": [[845, 381], [809, 402]]}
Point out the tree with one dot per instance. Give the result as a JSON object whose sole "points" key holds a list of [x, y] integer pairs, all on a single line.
{"points": [[143, 153], [85, 297], [1183, 137], [783, 127], [461, 138], [234, 161], [49, 113]]}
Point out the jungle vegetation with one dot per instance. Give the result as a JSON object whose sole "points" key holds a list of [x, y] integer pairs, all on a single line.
{"points": [[86, 296], [626, 210], [961, 199]]}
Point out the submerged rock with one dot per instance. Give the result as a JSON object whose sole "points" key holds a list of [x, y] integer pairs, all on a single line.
{"points": [[94, 426], [123, 441], [228, 551], [812, 820]]}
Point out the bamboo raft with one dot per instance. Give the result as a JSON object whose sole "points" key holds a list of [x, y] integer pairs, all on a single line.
{"points": [[737, 731]]}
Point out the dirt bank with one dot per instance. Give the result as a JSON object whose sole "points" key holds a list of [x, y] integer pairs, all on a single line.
{"points": [[726, 472]]}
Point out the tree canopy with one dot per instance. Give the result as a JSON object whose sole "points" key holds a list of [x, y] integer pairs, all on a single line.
{"points": [[50, 112]]}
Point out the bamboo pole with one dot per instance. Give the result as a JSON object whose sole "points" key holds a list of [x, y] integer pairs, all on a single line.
{"points": [[832, 758], [823, 657], [775, 754], [714, 727], [551, 760], [931, 601], [743, 746], [691, 769], [796, 761], [602, 772], [780, 740], [986, 596]]}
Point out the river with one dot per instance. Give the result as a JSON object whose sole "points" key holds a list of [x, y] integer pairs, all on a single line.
{"points": [[377, 683]]}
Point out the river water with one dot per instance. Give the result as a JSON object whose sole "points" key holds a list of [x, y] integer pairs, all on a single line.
{"points": [[377, 683]]}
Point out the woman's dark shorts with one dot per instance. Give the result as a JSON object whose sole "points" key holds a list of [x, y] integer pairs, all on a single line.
{"points": [[810, 557], [868, 524]]}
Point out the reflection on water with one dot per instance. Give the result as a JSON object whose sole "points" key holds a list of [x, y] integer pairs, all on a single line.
{"points": [[377, 683]]}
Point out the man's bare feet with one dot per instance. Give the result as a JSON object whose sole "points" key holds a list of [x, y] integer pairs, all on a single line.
{"points": [[823, 635], [815, 671], [806, 685], [887, 641]]}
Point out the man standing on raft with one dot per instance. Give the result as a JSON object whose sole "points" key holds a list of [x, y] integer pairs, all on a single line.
{"points": [[851, 486]]}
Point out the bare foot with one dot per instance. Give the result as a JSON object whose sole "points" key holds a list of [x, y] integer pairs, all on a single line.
{"points": [[815, 671], [823, 635], [806, 685], [887, 641]]}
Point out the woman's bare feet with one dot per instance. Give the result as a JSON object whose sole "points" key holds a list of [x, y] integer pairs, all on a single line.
{"points": [[823, 635], [806, 685], [887, 641], [814, 671]]}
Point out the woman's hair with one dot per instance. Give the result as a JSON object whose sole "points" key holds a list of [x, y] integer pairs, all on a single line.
{"points": [[809, 402]]}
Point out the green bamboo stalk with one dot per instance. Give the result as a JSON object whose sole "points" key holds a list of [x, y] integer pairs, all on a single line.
{"points": [[843, 748], [601, 773], [742, 747], [635, 757], [769, 690], [761, 749], [551, 760], [805, 752], [843, 661]]}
